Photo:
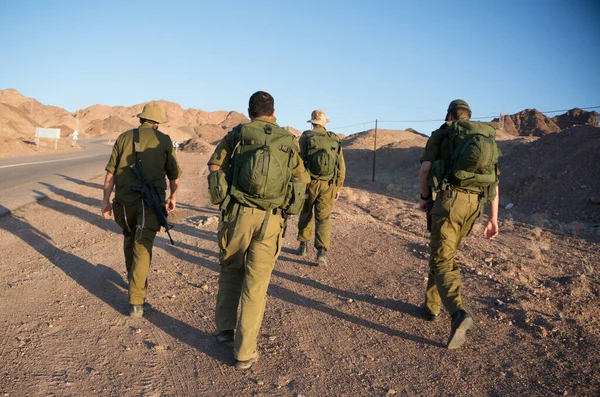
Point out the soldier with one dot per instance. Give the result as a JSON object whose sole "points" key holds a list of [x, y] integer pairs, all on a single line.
{"points": [[321, 151], [257, 162], [450, 164], [139, 221]]}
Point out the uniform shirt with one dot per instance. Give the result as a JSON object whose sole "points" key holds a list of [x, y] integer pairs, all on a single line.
{"points": [[303, 152], [438, 146], [158, 161], [222, 154]]}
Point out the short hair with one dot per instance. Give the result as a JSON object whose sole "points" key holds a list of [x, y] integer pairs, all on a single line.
{"points": [[460, 113], [261, 104]]}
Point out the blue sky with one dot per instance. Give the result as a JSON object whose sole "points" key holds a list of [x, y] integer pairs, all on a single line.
{"points": [[398, 61]]}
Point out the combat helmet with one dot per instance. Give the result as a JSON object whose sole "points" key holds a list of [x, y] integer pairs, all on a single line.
{"points": [[153, 112], [458, 103]]}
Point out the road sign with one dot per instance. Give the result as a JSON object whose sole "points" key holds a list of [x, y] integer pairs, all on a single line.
{"points": [[53, 133]]}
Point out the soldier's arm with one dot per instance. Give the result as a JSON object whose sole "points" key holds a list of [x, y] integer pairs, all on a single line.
{"points": [[424, 184], [342, 171], [491, 229], [298, 171], [172, 200], [109, 184], [302, 144], [222, 154]]}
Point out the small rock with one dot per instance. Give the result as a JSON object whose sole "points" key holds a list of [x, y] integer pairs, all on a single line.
{"points": [[138, 331], [204, 287], [260, 383], [489, 259], [172, 296], [509, 206], [391, 392], [350, 300], [272, 338]]}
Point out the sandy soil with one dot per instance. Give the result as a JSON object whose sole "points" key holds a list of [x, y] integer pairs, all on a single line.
{"points": [[351, 329]]}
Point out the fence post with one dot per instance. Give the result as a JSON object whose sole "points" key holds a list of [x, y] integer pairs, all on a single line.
{"points": [[374, 151]]}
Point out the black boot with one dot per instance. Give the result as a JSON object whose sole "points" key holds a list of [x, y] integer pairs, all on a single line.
{"points": [[461, 322], [303, 249], [321, 258]]}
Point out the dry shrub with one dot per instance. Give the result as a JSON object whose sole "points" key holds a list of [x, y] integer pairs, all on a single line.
{"points": [[356, 196]]}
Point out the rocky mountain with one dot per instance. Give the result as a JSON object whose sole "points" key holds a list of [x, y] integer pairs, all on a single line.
{"points": [[576, 117], [19, 116], [531, 122]]}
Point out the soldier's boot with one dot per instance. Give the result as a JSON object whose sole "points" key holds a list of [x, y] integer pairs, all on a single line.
{"points": [[303, 249], [321, 258], [461, 322], [246, 364], [136, 311], [224, 336]]}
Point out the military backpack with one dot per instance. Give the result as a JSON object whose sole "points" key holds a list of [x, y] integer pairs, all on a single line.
{"points": [[322, 155], [261, 169], [473, 162]]}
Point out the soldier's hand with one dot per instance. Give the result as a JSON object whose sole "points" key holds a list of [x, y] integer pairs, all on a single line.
{"points": [[171, 204], [106, 211], [423, 205], [491, 230], [337, 195]]}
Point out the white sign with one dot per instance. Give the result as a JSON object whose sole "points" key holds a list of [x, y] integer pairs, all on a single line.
{"points": [[53, 133], [175, 144]]}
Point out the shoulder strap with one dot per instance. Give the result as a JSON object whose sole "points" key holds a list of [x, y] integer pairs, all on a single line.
{"points": [[136, 144]]}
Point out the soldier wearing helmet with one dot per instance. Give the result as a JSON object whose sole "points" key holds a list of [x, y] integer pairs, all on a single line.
{"points": [[139, 221], [457, 206]]}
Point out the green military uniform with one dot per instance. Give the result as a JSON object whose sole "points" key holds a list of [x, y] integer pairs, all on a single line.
{"points": [[138, 221], [452, 218], [320, 196], [248, 251]]}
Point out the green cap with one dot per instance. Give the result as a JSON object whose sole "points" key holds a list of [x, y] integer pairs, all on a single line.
{"points": [[153, 112], [458, 103]]}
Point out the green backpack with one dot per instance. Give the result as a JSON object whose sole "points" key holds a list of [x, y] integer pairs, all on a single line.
{"points": [[473, 163], [322, 155], [261, 166]]}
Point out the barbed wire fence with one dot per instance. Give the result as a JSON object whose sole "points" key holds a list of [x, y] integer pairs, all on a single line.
{"points": [[501, 117]]}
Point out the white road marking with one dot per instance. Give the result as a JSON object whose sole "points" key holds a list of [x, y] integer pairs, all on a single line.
{"points": [[51, 161]]}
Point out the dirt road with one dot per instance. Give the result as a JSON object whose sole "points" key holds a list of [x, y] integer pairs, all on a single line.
{"points": [[351, 329]]}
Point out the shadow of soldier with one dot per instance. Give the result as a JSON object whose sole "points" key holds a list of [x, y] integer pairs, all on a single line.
{"points": [[103, 281]]}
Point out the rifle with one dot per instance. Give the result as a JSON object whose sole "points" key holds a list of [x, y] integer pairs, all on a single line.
{"points": [[148, 190], [428, 209]]}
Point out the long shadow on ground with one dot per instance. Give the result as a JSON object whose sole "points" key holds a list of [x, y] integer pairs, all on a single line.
{"points": [[104, 282]]}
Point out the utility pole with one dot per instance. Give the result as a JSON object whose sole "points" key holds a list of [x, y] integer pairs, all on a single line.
{"points": [[374, 151]]}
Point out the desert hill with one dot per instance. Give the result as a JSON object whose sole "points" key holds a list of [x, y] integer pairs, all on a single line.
{"points": [[19, 116], [576, 117], [531, 122], [555, 177]]}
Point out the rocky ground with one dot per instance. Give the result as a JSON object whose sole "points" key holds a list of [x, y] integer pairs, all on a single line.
{"points": [[351, 329]]}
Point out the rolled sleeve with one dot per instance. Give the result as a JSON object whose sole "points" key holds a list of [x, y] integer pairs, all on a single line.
{"points": [[114, 159], [222, 153]]}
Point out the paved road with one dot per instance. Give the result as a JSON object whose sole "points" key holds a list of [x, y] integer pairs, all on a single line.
{"points": [[25, 179]]}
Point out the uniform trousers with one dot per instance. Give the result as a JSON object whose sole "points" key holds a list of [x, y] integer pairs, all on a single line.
{"points": [[247, 257], [320, 198], [452, 218], [140, 225]]}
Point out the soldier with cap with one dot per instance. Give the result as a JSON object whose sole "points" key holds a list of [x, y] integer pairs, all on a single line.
{"points": [[460, 165], [256, 162], [139, 221], [321, 151]]}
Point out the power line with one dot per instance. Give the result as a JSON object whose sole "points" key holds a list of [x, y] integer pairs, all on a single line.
{"points": [[442, 120]]}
